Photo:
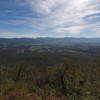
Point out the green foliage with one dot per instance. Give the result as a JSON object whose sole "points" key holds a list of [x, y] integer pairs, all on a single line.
{"points": [[40, 75]]}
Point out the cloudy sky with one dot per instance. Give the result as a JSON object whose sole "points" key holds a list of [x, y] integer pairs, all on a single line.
{"points": [[49, 18]]}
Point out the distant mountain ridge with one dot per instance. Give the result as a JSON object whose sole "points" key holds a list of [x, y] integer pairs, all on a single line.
{"points": [[49, 40]]}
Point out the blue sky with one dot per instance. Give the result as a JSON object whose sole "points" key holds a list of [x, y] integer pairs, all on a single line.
{"points": [[49, 18]]}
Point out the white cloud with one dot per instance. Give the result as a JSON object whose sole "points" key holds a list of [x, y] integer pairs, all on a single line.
{"points": [[73, 30], [14, 22], [18, 35], [63, 16], [22, 35]]}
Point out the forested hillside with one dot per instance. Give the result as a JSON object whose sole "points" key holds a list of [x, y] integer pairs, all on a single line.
{"points": [[47, 71]]}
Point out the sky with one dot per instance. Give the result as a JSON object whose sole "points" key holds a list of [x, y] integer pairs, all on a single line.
{"points": [[49, 18]]}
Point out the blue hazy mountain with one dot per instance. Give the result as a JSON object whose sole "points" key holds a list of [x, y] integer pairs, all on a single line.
{"points": [[49, 40]]}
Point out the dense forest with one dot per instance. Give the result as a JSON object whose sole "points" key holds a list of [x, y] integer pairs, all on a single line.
{"points": [[50, 69]]}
